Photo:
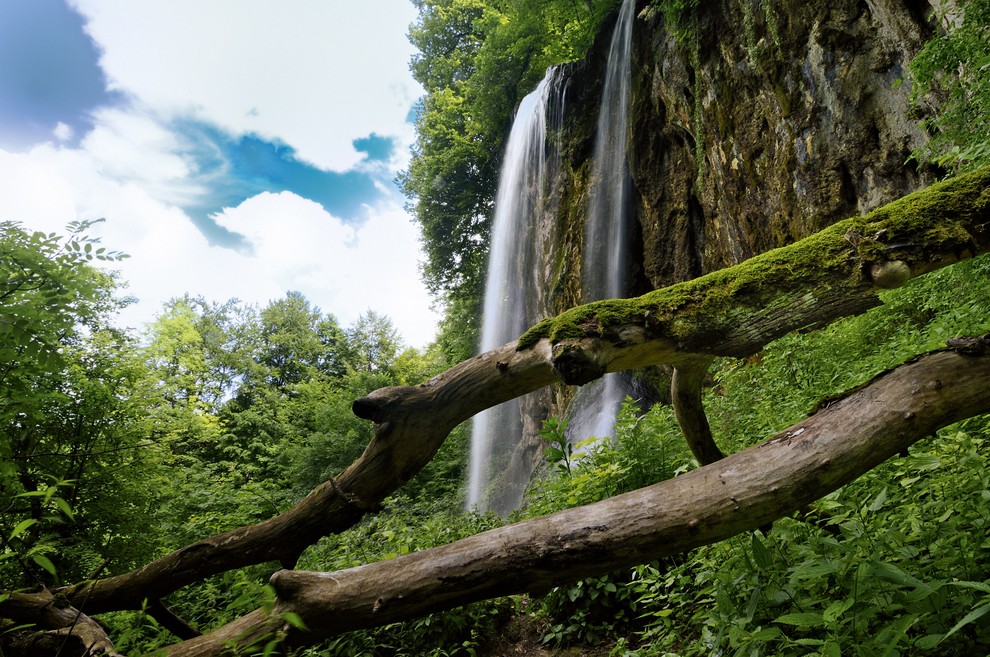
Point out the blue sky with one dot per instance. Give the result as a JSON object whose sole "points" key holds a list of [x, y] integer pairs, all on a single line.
{"points": [[236, 148]]}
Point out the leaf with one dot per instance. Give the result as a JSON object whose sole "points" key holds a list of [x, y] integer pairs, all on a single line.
{"points": [[928, 641], [760, 554], [979, 586], [64, 507], [979, 612], [801, 619], [44, 562], [21, 527], [895, 575], [926, 462], [835, 610], [295, 620], [816, 570], [879, 501]]}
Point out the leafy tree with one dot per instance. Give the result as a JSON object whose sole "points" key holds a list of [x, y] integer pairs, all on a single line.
{"points": [[373, 344], [476, 60], [70, 413], [297, 341], [177, 354], [951, 76]]}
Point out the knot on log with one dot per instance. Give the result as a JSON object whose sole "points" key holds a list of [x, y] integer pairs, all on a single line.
{"points": [[890, 274], [367, 408], [576, 365]]}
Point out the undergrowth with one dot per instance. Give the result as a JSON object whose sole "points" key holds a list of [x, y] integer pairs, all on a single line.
{"points": [[895, 563]]}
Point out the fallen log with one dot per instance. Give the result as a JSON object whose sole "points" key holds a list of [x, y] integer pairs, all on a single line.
{"points": [[737, 493], [734, 312]]}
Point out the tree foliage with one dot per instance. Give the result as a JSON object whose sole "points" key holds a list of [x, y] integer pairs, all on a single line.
{"points": [[476, 60], [952, 80]]}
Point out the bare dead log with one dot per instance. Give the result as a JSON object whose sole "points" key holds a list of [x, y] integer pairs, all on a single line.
{"points": [[62, 630], [740, 492], [733, 312]]}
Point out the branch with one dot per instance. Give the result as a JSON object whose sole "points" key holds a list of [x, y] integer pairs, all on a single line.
{"points": [[685, 388], [732, 312], [740, 492]]}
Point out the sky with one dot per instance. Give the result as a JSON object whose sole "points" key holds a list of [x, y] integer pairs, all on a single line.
{"points": [[235, 148]]}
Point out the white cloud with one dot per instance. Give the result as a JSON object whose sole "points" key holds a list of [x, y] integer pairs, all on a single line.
{"points": [[297, 245], [315, 74], [62, 131]]}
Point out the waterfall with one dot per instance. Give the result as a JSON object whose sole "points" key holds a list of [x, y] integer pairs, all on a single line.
{"points": [[606, 242], [513, 294]]}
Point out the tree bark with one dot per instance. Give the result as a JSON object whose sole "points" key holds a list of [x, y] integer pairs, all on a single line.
{"points": [[740, 492], [63, 630]]}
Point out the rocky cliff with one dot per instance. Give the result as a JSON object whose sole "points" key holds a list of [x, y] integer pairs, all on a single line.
{"points": [[762, 124], [753, 127]]}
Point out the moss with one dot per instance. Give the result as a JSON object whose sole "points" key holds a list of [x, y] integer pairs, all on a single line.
{"points": [[832, 256]]}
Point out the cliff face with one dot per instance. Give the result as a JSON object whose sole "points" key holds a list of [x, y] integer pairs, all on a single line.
{"points": [[803, 120], [777, 119]]}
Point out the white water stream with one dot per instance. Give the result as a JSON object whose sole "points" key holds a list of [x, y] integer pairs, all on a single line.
{"points": [[606, 241], [512, 288]]}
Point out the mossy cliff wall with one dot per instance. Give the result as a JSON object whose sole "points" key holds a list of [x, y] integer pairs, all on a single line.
{"points": [[769, 121]]}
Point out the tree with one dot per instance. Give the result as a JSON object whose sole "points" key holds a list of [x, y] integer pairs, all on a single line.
{"points": [[69, 415], [735, 312], [297, 341], [373, 344], [950, 73]]}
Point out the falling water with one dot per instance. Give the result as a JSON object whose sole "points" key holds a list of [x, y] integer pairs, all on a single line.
{"points": [[606, 248], [512, 293]]}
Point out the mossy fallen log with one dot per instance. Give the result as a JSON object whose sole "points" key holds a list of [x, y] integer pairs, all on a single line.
{"points": [[735, 312], [740, 492]]}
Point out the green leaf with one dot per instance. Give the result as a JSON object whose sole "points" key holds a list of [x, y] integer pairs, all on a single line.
{"points": [[21, 527], [928, 641], [296, 621], [979, 612], [926, 462], [835, 610], [44, 562], [879, 501], [895, 575], [979, 586], [816, 570], [64, 507], [760, 553], [801, 619]]}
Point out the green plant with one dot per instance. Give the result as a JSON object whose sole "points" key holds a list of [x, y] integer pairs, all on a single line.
{"points": [[952, 87], [588, 611], [559, 452]]}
